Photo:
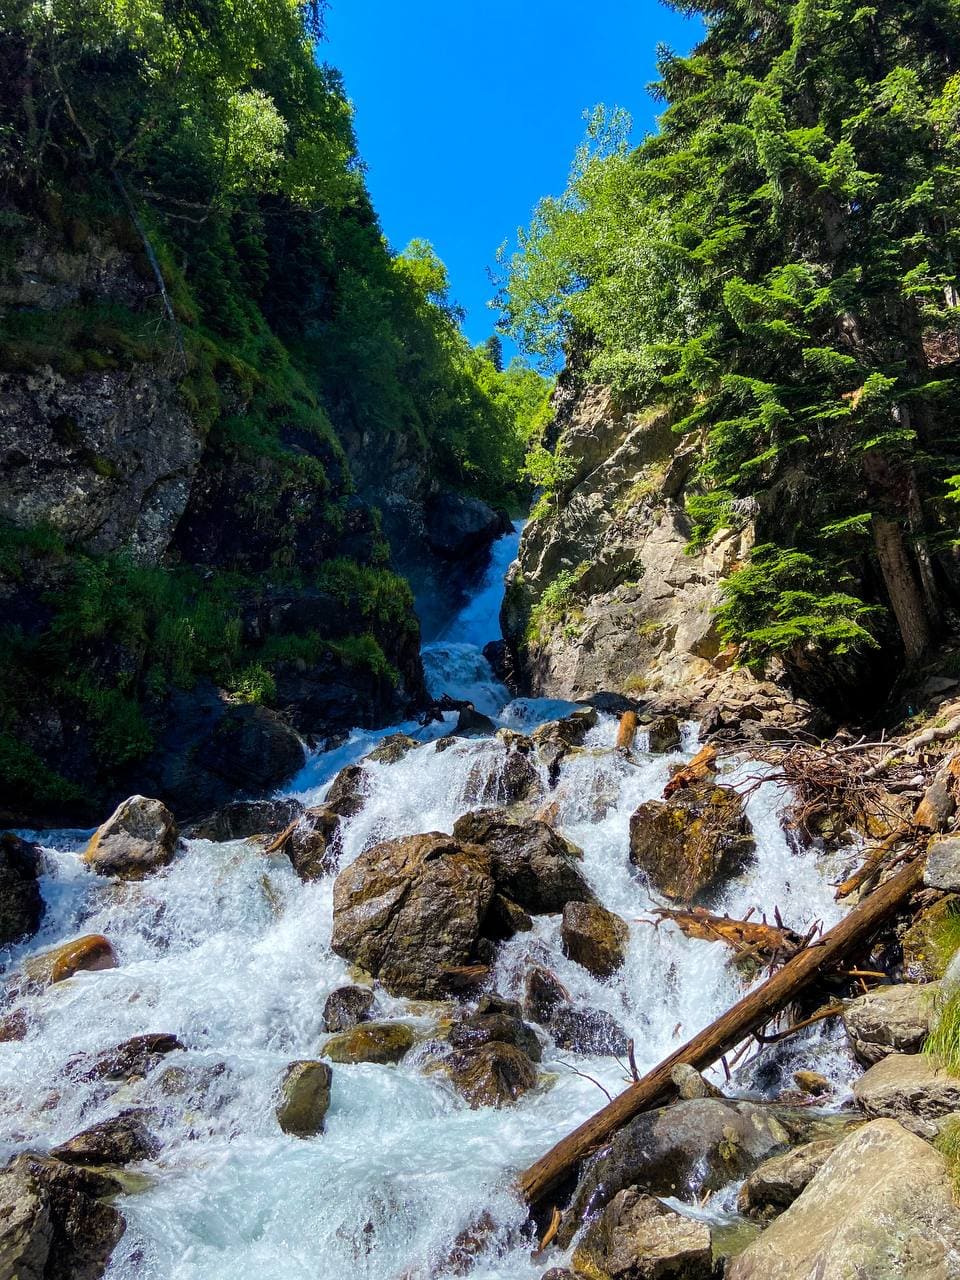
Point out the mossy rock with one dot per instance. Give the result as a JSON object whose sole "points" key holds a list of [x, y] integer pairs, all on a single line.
{"points": [[381, 1042]]}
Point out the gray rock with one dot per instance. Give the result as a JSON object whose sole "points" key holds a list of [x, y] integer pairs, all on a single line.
{"points": [[881, 1207], [942, 870], [638, 1238], [459, 526], [532, 865], [139, 837], [472, 723], [21, 903], [407, 910], [589, 1031], [348, 792], [889, 1020], [775, 1185], [691, 1084], [347, 1007], [304, 1098], [393, 748], [664, 734], [907, 1087], [245, 818], [594, 937]]}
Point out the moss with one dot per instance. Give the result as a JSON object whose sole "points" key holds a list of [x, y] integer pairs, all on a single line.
{"points": [[556, 606], [76, 339], [365, 652]]}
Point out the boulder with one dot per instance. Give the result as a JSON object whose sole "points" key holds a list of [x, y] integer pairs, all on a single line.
{"points": [[90, 953], [543, 994], [775, 1185], [639, 1238], [909, 1087], [880, 1207], [459, 526], [923, 955], [132, 1060], [392, 748], [505, 919], [53, 1222], [407, 910], [889, 1020], [348, 792], [472, 723], [118, 1141], [250, 750], [687, 846], [21, 903], [594, 937], [245, 818], [531, 864], [942, 868], [664, 735], [685, 1150], [347, 1007], [589, 1031], [304, 1098], [812, 1083], [691, 1084], [555, 740], [139, 837], [493, 1074], [380, 1042], [495, 1019], [311, 842]]}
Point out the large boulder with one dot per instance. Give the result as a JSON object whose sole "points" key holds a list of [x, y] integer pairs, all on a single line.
{"points": [[408, 910], [881, 1207], [495, 1019], [775, 1185], [459, 527], [493, 1074], [21, 903], [347, 793], [304, 1098], [89, 954], [54, 1224], [531, 864], [139, 837], [889, 1020], [639, 1238], [910, 1087], [688, 845], [380, 1042], [594, 937], [118, 1141], [245, 818]]}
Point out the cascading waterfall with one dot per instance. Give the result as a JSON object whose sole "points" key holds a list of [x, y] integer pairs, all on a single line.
{"points": [[230, 951]]}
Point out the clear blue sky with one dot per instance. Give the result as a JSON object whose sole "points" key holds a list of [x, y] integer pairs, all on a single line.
{"points": [[468, 112]]}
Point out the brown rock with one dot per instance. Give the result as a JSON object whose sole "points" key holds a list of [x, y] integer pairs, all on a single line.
{"points": [[407, 910], [347, 792], [531, 864], [118, 1141], [639, 1238], [812, 1083], [688, 845], [495, 1019], [775, 1185], [543, 993], [380, 1042], [505, 919], [347, 1007], [392, 748], [304, 1098], [594, 937], [92, 952], [131, 1060], [311, 842], [492, 1075], [139, 837]]}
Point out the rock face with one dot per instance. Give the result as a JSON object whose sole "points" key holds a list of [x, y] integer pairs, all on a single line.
{"points": [[53, 1222], [594, 937], [381, 1042], [21, 903], [889, 1020], [408, 909], [304, 1098], [139, 837], [910, 1087], [531, 864], [458, 526], [638, 1238], [688, 845], [881, 1206]]}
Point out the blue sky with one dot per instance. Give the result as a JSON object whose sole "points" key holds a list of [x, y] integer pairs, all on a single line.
{"points": [[468, 112]]}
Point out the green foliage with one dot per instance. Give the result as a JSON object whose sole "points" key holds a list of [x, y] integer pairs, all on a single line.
{"points": [[779, 264], [555, 606], [943, 1042], [944, 940], [947, 1142]]}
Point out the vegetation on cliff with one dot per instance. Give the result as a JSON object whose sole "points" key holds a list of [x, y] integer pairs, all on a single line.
{"points": [[779, 265]]}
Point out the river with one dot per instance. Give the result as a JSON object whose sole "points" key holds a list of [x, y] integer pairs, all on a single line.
{"points": [[229, 950]]}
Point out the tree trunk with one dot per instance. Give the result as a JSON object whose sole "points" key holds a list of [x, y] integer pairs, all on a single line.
{"points": [[904, 591], [749, 1014]]}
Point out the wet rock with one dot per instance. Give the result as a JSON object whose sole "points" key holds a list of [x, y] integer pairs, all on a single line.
{"points": [[889, 1020], [554, 741], [775, 1185], [245, 818], [664, 735], [459, 527], [117, 1141], [687, 846], [21, 903], [139, 837], [380, 1042], [14, 1026], [531, 864], [304, 1098], [494, 1074], [558, 1273], [407, 910], [472, 723], [881, 1206], [942, 869], [594, 937], [312, 843], [638, 1238], [131, 1060], [592, 1032], [923, 960], [687, 1149], [251, 749], [347, 1007], [519, 778], [691, 1084], [812, 1083], [53, 1223], [908, 1087], [543, 994], [348, 792], [505, 919], [392, 749], [90, 953], [495, 1019]]}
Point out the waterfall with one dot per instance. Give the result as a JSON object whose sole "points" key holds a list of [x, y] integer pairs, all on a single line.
{"points": [[230, 951]]}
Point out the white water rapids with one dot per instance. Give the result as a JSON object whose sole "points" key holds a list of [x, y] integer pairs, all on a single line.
{"points": [[230, 951]]}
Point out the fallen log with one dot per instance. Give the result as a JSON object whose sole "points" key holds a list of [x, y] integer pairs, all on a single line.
{"points": [[747, 1016], [872, 863], [626, 731], [702, 764], [757, 936]]}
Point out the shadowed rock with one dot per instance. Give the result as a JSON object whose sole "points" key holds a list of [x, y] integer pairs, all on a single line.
{"points": [[531, 864]]}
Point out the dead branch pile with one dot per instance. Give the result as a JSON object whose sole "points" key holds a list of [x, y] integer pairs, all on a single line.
{"points": [[749, 939]]}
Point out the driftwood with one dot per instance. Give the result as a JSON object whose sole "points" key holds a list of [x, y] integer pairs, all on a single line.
{"points": [[626, 731], [871, 866], [749, 1015], [757, 937], [938, 733], [702, 764]]}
